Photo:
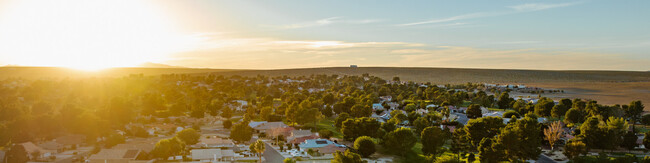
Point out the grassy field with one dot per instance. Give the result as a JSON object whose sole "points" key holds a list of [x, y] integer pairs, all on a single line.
{"points": [[607, 87]]}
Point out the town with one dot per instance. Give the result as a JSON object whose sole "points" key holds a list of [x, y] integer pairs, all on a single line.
{"points": [[317, 118]]}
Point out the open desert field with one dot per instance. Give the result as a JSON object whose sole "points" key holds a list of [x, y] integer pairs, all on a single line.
{"points": [[607, 87], [603, 92]]}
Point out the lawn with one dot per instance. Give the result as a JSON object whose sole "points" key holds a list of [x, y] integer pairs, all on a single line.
{"points": [[328, 124], [466, 103]]}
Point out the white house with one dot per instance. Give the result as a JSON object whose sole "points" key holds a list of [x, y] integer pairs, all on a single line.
{"points": [[208, 155]]}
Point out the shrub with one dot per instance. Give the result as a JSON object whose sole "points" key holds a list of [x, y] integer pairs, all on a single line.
{"points": [[510, 113], [364, 146]]}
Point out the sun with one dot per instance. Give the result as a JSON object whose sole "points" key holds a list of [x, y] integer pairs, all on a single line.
{"points": [[88, 34]]}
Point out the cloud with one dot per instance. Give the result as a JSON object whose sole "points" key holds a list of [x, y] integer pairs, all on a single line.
{"points": [[271, 53], [539, 6], [329, 21], [453, 18], [320, 22], [530, 7]]}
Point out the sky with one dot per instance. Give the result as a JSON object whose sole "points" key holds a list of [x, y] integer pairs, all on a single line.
{"points": [[496, 34]]}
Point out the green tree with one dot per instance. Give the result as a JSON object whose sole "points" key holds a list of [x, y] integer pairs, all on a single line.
{"points": [[510, 113], [400, 141], [432, 139], [504, 101], [557, 111], [634, 111], [617, 127], [488, 154], [289, 160], [347, 157], [447, 159], [114, 139], [265, 113], [361, 111], [258, 147], [629, 141], [574, 148], [645, 119], [421, 123], [166, 148], [17, 154], [241, 132], [365, 126], [227, 124], [544, 106], [474, 111], [365, 146], [519, 140], [189, 136], [338, 122], [226, 112], [410, 108], [485, 127], [573, 116]]}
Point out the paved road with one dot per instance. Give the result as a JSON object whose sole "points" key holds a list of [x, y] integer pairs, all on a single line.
{"points": [[544, 159], [271, 155]]}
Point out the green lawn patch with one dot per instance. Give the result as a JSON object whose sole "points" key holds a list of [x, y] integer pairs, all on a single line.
{"points": [[328, 124]]}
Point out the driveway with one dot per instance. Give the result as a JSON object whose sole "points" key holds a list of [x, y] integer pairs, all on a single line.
{"points": [[271, 155], [543, 159]]}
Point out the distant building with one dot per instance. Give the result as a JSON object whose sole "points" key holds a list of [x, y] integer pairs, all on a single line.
{"points": [[353, 66]]}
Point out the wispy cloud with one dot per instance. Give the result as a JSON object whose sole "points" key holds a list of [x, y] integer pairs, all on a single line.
{"points": [[453, 18], [329, 21], [529, 7], [320, 22], [539, 6]]}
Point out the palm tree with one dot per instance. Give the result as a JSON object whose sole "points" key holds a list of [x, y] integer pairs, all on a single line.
{"points": [[258, 147]]}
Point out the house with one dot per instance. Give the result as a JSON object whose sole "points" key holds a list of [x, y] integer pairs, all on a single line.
{"points": [[33, 148], [378, 117], [422, 111], [241, 105], [330, 149], [298, 136], [494, 114], [316, 143], [433, 106], [114, 156], [213, 142], [52, 146], [377, 106], [280, 131], [385, 98], [207, 155], [298, 140], [253, 124], [268, 127], [323, 146], [460, 118]]}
